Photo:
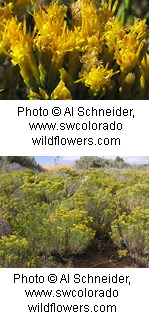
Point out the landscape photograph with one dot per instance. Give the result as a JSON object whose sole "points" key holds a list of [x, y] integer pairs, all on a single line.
{"points": [[74, 212]]}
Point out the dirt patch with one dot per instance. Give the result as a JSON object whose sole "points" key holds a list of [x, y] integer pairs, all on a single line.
{"points": [[104, 256]]}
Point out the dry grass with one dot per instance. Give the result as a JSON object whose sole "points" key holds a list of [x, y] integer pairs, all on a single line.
{"points": [[71, 166], [59, 166]]}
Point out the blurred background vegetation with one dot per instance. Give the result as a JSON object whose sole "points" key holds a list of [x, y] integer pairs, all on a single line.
{"points": [[25, 161], [126, 10]]}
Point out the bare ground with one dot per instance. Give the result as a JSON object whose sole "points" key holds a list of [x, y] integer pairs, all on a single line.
{"points": [[104, 256]]}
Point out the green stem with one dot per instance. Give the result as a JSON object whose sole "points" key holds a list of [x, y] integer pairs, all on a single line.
{"points": [[127, 11], [124, 11]]}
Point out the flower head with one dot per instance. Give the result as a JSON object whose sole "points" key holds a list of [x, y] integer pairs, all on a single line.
{"points": [[53, 34], [129, 49], [98, 78], [5, 15], [21, 51]]}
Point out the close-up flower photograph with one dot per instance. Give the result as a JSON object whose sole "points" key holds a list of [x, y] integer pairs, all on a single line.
{"points": [[84, 49]]}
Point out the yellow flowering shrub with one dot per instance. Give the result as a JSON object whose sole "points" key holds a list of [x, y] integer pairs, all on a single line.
{"points": [[68, 231], [89, 55], [62, 212], [132, 196], [132, 231], [13, 251]]}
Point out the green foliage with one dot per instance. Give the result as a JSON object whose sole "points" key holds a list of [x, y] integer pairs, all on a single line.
{"points": [[25, 161], [13, 251], [99, 162], [129, 10], [132, 231], [68, 231]]}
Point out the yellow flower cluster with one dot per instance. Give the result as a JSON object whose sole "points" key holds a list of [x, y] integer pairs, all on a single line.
{"points": [[5, 15], [21, 51], [86, 55]]}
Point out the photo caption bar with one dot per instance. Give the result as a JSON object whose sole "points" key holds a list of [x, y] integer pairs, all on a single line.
{"points": [[73, 125], [47, 294]]}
